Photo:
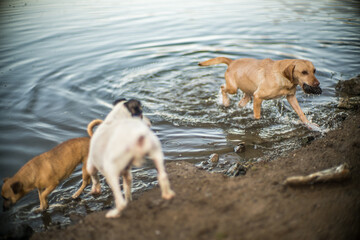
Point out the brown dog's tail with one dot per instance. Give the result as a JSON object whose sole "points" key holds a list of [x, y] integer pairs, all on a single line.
{"points": [[91, 125], [216, 60]]}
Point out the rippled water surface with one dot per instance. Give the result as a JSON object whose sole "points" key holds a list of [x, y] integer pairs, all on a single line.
{"points": [[62, 63]]}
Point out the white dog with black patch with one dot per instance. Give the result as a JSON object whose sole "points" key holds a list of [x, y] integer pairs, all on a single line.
{"points": [[123, 140]]}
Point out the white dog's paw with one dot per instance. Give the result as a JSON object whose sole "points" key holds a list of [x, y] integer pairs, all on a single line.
{"points": [[95, 190], [113, 213], [168, 195]]}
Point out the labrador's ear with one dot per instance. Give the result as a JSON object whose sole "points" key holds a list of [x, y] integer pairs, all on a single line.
{"points": [[5, 179], [288, 72], [17, 187]]}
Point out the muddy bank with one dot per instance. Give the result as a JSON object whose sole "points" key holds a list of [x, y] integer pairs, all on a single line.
{"points": [[254, 206]]}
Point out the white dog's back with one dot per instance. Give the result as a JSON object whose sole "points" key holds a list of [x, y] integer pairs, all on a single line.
{"points": [[126, 142]]}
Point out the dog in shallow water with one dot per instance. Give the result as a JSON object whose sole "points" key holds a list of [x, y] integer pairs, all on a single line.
{"points": [[123, 140], [267, 79], [48, 169]]}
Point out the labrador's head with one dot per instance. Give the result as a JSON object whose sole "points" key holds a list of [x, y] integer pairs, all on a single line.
{"points": [[302, 72]]}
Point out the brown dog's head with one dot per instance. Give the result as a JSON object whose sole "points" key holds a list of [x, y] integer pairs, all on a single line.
{"points": [[11, 192], [302, 72]]}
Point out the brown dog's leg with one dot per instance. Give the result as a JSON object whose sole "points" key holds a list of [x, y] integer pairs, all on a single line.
{"points": [[225, 98], [225, 89], [41, 200], [295, 105], [85, 182], [244, 100], [257, 107], [43, 196], [229, 88]]}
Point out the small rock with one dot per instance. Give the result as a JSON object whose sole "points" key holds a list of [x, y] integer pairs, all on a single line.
{"points": [[307, 140], [240, 147], [214, 158], [221, 164], [204, 162], [236, 170]]}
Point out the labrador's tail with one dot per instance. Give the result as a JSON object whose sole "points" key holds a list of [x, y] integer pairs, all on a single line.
{"points": [[216, 60]]}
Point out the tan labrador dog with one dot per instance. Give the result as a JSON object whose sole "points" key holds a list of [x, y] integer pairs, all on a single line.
{"points": [[48, 169], [267, 79]]}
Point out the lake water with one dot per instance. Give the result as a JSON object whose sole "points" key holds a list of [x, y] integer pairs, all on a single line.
{"points": [[62, 63]]}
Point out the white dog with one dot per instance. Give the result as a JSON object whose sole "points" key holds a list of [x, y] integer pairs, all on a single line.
{"points": [[123, 140]]}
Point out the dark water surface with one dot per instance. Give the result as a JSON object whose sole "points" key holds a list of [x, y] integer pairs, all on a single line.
{"points": [[62, 63]]}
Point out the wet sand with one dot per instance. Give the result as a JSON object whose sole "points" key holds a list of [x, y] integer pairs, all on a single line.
{"points": [[254, 206]]}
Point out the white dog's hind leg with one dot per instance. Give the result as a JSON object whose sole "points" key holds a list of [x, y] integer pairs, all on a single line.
{"points": [[113, 181], [96, 187], [164, 183], [127, 180]]}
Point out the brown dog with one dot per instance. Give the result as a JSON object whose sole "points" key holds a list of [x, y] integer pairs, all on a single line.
{"points": [[47, 170], [267, 79]]}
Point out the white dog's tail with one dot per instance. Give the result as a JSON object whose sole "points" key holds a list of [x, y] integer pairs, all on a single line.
{"points": [[216, 60], [91, 125]]}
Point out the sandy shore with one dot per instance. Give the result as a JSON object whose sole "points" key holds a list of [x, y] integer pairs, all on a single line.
{"points": [[255, 206]]}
